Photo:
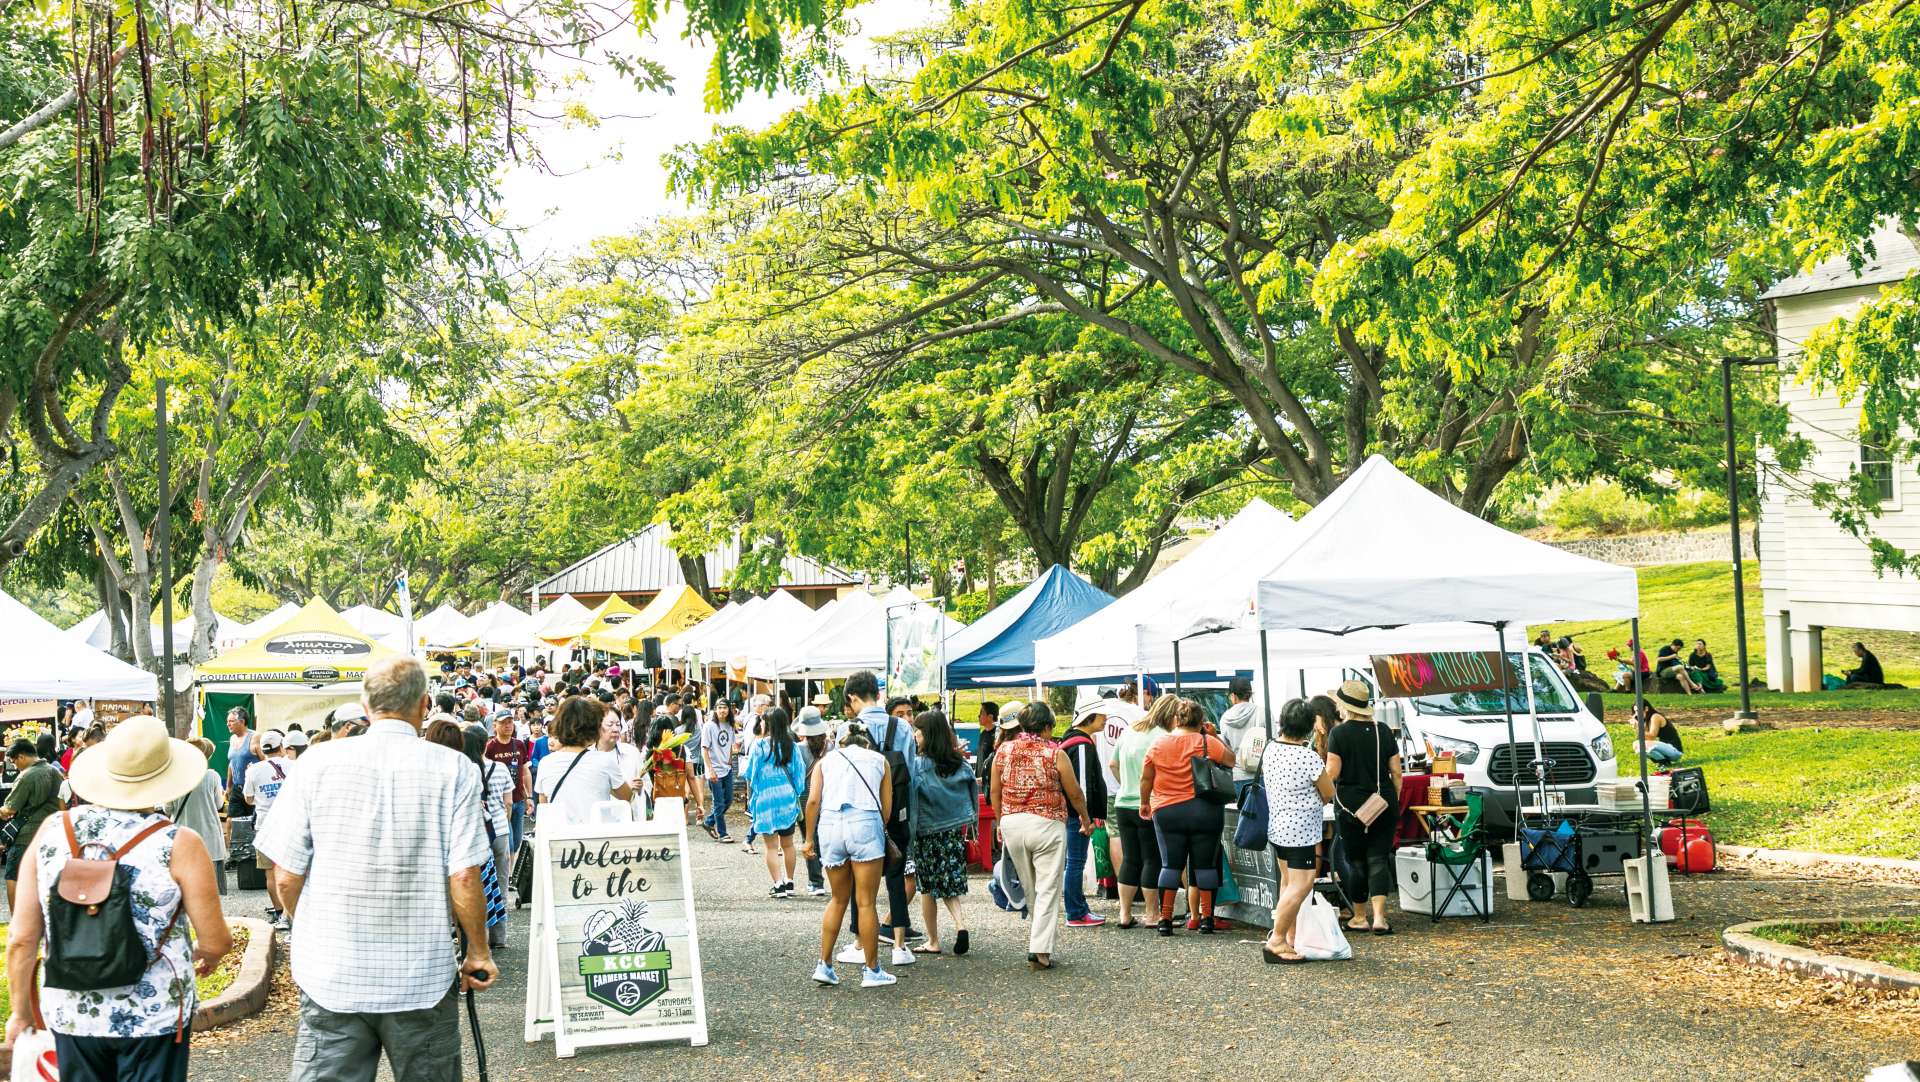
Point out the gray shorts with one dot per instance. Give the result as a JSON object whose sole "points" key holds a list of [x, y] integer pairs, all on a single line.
{"points": [[421, 1046]]}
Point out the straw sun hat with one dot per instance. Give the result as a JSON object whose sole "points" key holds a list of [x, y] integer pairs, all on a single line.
{"points": [[1354, 699], [137, 766]]}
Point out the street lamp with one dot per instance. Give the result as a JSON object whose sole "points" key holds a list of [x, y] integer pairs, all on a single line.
{"points": [[1727, 365]]}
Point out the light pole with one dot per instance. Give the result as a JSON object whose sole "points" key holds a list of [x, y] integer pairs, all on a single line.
{"points": [[1727, 365]]}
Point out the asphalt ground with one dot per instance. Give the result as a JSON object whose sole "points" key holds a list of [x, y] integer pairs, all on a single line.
{"points": [[1543, 992]]}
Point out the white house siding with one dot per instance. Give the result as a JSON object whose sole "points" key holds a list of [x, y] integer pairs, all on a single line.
{"points": [[1813, 573]]}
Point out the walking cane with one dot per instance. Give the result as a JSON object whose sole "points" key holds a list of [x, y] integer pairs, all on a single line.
{"points": [[473, 1017]]}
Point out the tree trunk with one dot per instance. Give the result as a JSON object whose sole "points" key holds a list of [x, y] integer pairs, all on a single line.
{"points": [[205, 623], [694, 570]]}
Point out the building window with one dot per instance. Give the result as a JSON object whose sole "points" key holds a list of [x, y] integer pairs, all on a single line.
{"points": [[1876, 463]]}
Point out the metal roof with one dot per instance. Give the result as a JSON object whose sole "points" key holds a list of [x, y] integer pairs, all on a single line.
{"points": [[643, 564], [1894, 259]]}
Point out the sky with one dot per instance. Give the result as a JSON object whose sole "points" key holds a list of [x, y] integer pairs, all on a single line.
{"points": [[606, 179]]}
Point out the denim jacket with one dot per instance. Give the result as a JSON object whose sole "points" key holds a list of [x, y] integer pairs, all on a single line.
{"points": [[943, 803]]}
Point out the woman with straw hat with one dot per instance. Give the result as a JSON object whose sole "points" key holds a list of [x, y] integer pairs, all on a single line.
{"points": [[1364, 758], [139, 1030]]}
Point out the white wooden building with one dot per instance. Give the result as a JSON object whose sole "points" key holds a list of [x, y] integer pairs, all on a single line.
{"points": [[1814, 574]]}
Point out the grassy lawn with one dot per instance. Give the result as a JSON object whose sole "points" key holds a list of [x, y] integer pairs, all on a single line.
{"points": [[1695, 601], [210, 985], [1893, 942], [1829, 790]]}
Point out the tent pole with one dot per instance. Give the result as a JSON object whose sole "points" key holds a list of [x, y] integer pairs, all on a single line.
{"points": [[1513, 742], [1178, 689], [1533, 714], [1266, 686], [1650, 850]]}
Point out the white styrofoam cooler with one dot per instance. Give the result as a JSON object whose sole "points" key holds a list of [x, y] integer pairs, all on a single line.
{"points": [[1416, 891]]}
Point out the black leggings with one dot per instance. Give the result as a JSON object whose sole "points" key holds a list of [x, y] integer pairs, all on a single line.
{"points": [[1190, 831], [1369, 849], [1139, 851]]}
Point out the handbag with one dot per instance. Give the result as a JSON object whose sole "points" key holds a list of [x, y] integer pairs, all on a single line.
{"points": [[894, 856], [1212, 782], [1251, 831], [1317, 934], [1375, 805]]}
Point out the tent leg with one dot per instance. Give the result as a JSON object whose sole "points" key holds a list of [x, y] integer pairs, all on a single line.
{"points": [[1178, 688], [1513, 741], [1266, 685], [1650, 850]]}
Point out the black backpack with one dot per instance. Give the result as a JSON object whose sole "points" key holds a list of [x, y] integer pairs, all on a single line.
{"points": [[92, 941], [897, 770]]}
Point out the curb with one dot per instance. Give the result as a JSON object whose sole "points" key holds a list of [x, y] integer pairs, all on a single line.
{"points": [[1835, 862], [1806, 962], [248, 992]]}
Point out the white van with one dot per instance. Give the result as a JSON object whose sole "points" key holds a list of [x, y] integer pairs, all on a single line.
{"points": [[1472, 725]]}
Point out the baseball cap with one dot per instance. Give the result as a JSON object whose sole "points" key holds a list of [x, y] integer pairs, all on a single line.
{"points": [[272, 740], [297, 739], [1103, 707], [349, 712]]}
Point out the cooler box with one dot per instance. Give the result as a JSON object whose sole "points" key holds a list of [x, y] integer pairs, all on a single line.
{"points": [[1417, 890]]}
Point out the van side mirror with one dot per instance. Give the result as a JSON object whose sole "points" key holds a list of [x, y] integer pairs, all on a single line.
{"points": [[1597, 705], [1389, 712]]}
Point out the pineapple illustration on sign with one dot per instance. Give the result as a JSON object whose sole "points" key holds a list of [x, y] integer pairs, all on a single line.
{"points": [[624, 962]]}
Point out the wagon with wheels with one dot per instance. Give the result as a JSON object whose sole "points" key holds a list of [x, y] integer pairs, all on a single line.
{"points": [[1585, 842]]}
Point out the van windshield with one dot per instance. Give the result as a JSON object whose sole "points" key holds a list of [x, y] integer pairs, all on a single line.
{"points": [[1550, 694]]}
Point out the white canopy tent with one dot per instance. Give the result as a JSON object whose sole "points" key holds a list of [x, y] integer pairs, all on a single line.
{"points": [[1135, 634], [94, 631], [378, 624], [1385, 551], [445, 628], [38, 662], [562, 611], [689, 644], [501, 626], [746, 646], [852, 639]]}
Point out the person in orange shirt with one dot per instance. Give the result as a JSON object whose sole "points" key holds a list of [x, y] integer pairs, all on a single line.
{"points": [[1188, 828]]}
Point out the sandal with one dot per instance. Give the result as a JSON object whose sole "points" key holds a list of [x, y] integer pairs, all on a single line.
{"points": [[1384, 929], [1360, 927], [961, 941], [928, 948], [1128, 924]]}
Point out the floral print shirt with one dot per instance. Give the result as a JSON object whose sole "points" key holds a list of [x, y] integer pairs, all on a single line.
{"points": [[154, 1005]]}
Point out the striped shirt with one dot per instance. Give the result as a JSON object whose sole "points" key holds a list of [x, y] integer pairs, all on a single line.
{"points": [[376, 823]]}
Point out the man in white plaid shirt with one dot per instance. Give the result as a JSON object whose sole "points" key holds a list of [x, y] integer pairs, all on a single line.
{"points": [[376, 839]]}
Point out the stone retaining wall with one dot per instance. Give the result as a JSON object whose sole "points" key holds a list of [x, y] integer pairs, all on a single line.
{"points": [[1652, 549]]}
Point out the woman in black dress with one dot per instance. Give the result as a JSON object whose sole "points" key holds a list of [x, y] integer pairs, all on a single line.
{"points": [[1364, 758]]}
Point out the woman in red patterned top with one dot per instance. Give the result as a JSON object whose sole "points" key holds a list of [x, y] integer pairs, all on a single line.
{"points": [[1032, 788]]}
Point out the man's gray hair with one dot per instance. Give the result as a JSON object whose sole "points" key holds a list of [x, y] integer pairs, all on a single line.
{"points": [[395, 687]]}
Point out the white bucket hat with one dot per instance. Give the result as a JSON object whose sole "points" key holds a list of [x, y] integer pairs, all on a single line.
{"points": [[137, 766]]}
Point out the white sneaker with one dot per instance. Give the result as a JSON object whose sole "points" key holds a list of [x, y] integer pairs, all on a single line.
{"points": [[852, 954], [903, 957], [818, 892], [824, 974], [876, 978]]}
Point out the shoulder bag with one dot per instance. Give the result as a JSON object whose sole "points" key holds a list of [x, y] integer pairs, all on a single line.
{"points": [[895, 857], [1375, 805], [1212, 782]]}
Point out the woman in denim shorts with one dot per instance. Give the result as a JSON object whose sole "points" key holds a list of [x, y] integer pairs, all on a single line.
{"points": [[848, 802]]}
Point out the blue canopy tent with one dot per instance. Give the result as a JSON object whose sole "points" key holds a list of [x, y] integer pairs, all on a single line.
{"points": [[997, 649]]}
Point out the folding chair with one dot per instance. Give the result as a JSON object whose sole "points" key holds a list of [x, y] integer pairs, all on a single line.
{"points": [[1459, 858]]}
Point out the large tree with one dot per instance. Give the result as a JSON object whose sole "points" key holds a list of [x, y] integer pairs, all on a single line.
{"points": [[1223, 191]]}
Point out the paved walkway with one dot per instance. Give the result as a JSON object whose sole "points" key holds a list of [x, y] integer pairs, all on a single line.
{"points": [[1545, 992]]}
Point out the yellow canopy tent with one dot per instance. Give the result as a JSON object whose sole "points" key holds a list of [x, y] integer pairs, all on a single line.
{"points": [[296, 672], [611, 613], [313, 646], [672, 610]]}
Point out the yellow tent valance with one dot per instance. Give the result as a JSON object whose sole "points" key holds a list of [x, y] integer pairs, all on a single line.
{"points": [[672, 610], [312, 646], [611, 613]]}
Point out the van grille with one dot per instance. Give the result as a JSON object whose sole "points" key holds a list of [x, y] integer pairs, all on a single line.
{"points": [[1571, 764]]}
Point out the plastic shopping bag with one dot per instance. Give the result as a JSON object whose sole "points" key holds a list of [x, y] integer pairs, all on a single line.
{"points": [[33, 1057], [1317, 933]]}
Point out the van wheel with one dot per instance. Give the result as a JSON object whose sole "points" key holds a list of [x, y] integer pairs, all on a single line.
{"points": [[1539, 886], [1579, 889]]}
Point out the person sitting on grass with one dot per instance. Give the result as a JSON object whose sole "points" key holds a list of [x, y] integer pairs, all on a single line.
{"points": [[1701, 668], [1668, 665], [1662, 740], [1868, 674]]}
